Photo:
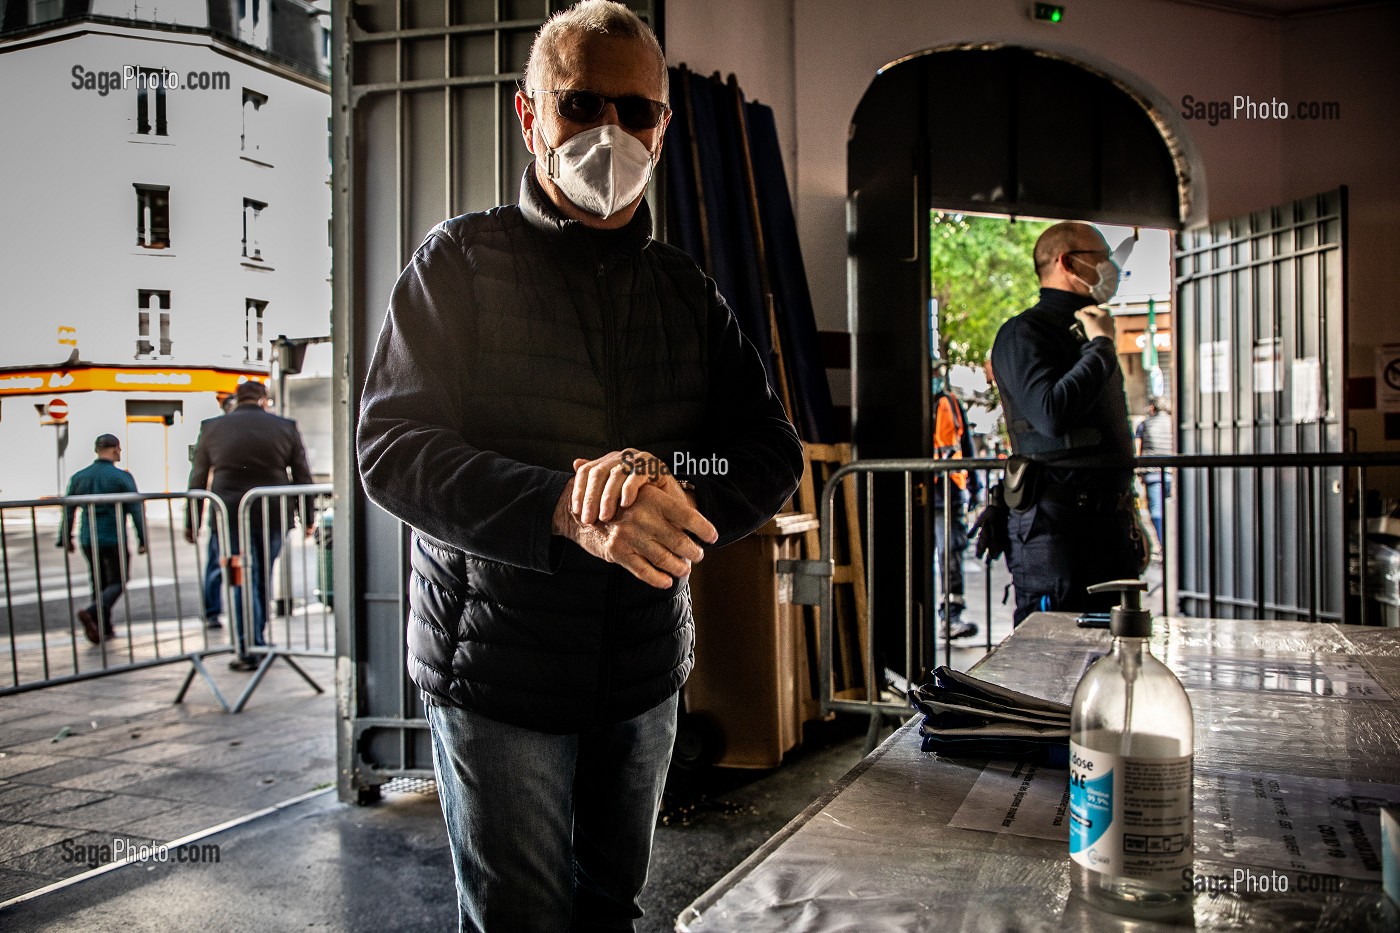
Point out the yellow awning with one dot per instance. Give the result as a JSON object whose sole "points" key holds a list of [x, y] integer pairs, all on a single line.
{"points": [[122, 379]]}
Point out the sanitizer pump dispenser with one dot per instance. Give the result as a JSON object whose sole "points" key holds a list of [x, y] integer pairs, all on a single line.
{"points": [[1131, 773]]}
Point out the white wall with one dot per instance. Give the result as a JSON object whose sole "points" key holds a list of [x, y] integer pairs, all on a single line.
{"points": [[68, 253], [1165, 50], [1350, 58], [753, 39]]}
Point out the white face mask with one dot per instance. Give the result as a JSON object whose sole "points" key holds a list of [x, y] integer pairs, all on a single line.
{"points": [[601, 170], [1107, 285]]}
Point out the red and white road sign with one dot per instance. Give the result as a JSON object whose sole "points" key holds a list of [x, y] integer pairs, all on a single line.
{"points": [[57, 409]]}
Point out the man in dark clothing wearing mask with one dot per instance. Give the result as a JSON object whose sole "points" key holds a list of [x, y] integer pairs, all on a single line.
{"points": [[567, 415], [1072, 521]]}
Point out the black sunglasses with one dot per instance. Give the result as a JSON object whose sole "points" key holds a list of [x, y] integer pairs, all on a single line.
{"points": [[633, 111]]}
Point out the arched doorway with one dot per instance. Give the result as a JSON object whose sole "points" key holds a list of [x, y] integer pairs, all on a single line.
{"points": [[988, 129], [1020, 132]]}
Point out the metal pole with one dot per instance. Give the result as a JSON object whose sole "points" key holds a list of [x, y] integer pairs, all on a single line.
{"points": [[58, 459], [1259, 546], [1361, 540], [872, 685], [1211, 569], [945, 559], [1313, 563], [825, 655], [908, 578]]}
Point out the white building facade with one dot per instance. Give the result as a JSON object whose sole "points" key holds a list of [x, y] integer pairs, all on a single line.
{"points": [[166, 189]]}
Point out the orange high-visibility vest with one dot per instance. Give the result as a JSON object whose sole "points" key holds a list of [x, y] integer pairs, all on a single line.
{"points": [[948, 428]]}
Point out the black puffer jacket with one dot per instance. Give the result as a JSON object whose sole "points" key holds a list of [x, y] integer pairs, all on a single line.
{"points": [[516, 341]]}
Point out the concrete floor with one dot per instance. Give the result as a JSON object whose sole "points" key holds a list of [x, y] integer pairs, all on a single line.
{"points": [[320, 864]]}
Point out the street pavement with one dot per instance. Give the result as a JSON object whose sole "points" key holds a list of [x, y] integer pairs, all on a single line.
{"points": [[85, 764]]}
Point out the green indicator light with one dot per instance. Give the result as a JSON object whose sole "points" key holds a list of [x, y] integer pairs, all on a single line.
{"points": [[1048, 12]]}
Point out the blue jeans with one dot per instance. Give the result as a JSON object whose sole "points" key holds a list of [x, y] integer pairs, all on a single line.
{"points": [[213, 577], [550, 832], [255, 574], [1157, 492], [950, 550]]}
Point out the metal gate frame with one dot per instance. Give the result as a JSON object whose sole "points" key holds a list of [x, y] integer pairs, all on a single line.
{"points": [[218, 510], [1272, 283], [810, 581], [259, 497]]}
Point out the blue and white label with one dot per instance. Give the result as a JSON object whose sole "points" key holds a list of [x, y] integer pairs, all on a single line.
{"points": [[1129, 816], [1090, 804]]}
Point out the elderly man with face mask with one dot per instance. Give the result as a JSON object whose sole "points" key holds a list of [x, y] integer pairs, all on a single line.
{"points": [[546, 383], [1072, 522]]}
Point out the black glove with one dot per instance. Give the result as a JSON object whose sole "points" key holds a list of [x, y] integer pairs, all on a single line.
{"points": [[990, 528]]}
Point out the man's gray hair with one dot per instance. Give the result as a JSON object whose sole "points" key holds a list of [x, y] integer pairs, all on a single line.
{"points": [[603, 17]]}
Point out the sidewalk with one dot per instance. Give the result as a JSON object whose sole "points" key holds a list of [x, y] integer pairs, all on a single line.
{"points": [[86, 763]]}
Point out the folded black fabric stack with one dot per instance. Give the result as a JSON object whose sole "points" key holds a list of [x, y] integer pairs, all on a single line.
{"points": [[967, 717]]}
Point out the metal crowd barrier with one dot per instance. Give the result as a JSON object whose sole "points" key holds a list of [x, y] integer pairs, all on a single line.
{"points": [[1285, 536], [295, 596], [44, 644]]}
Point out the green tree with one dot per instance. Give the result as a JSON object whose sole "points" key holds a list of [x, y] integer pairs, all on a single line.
{"points": [[981, 273]]}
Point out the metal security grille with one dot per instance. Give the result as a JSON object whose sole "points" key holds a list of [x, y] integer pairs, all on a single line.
{"points": [[1262, 315], [423, 128]]}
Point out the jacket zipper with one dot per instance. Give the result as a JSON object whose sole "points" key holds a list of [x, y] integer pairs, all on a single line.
{"points": [[609, 360], [613, 431]]}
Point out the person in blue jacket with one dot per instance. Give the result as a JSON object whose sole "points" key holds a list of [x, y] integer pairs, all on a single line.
{"points": [[102, 538], [1072, 521]]}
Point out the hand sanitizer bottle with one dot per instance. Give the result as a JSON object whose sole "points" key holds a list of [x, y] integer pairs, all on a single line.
{"points": [[1131, 774]]}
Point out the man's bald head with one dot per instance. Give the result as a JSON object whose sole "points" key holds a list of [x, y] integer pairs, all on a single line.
{"points": [[1070, 236]]}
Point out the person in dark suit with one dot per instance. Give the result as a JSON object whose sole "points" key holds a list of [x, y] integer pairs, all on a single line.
{"points": [[213, 572], [246, 448]]}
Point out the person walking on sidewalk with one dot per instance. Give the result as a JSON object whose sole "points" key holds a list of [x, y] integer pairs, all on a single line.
{"points": [[1155, 439], [247, 448], [103, 537], [213, 569]]}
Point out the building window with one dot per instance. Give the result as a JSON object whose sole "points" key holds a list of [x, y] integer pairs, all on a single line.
{"points": [[252, 22], [150, 102], [153, 216], [252, 246], [253, 103], [254, 347], [152, 323]]}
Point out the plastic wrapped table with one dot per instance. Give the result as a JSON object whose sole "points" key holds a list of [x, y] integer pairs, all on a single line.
{"points": [[877, 852]]}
